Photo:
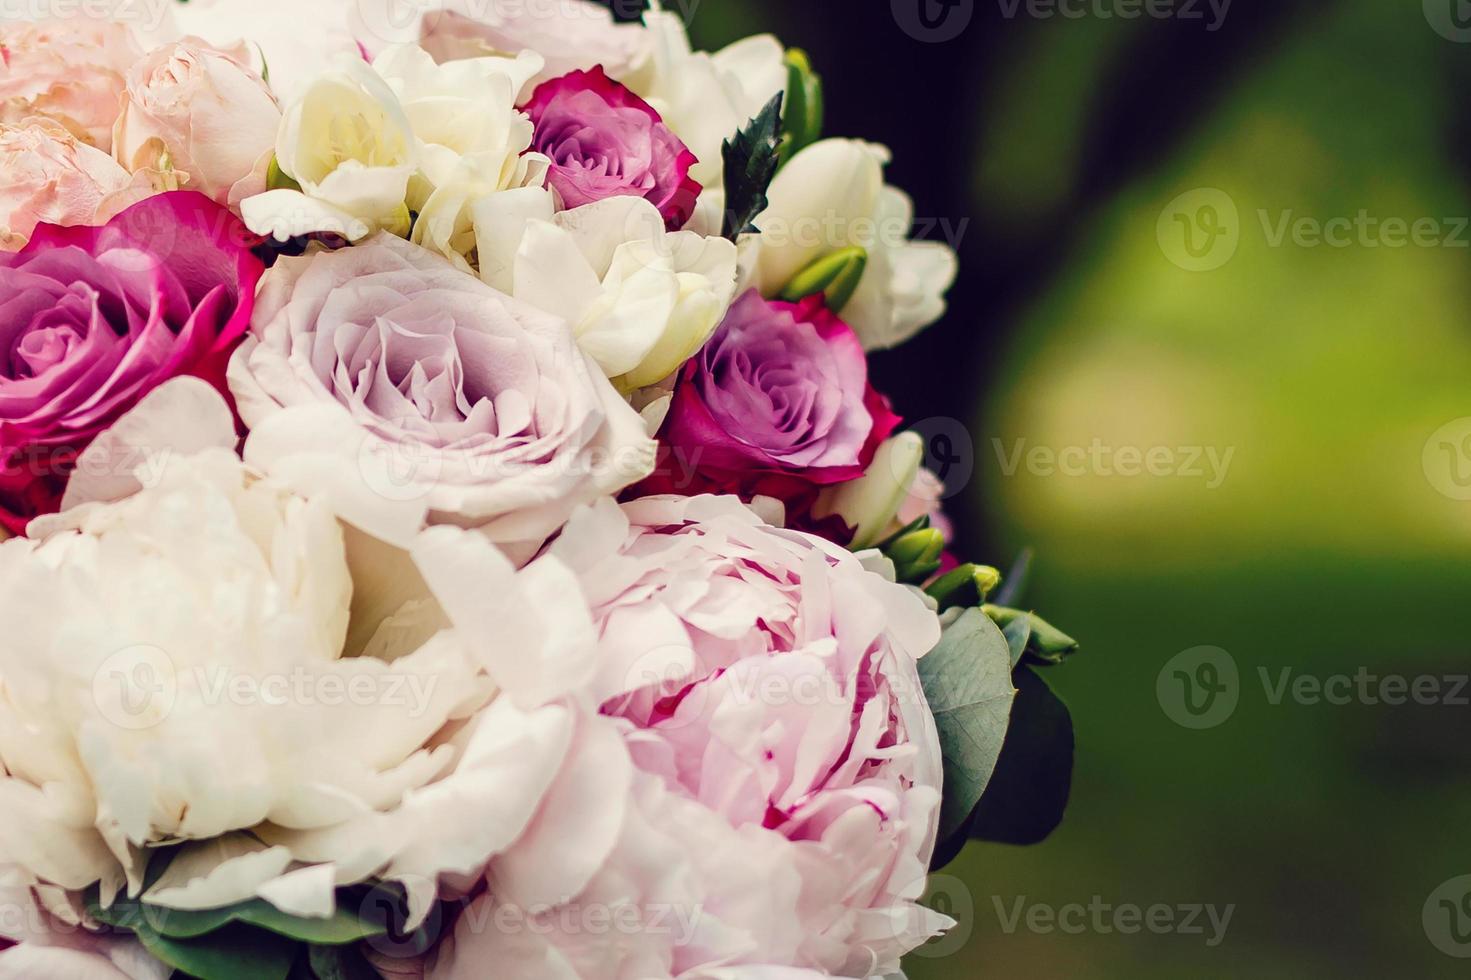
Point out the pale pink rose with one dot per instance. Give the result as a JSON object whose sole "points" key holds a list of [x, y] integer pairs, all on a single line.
{"points": [[68, 70], [759, 793], [572, 35], [202, 111], [52, 177], [480, 410]]}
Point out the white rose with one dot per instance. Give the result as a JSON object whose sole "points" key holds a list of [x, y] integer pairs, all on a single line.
{"points": [[832, 196], [640, 299], [347, 141]]}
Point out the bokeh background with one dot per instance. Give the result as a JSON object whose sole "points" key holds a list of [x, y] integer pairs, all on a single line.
{"points": [[1071, 154]]}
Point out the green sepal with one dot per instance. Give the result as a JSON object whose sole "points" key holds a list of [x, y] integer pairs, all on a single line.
{"points": [[278, 179], [802, 120], [836, 276], [963, 587], [1046, 645]]}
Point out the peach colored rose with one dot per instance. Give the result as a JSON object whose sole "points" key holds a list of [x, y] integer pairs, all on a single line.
{"points": [[68, 70], [52, 177], [202, 111]]}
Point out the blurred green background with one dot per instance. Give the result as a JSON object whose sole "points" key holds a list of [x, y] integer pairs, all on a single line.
{"points": [[1333, 542]]}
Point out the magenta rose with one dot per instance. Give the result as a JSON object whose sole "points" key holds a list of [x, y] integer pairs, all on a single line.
{"points": [[604, 142], [778, 404], [93, 319]]}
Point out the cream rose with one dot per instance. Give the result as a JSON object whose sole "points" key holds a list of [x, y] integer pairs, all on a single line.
{"points": [[201, 111]]}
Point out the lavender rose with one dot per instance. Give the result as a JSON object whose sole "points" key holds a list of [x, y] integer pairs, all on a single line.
{"points": [[93, 319], [778, 404], [604, 142], [458, 403]]}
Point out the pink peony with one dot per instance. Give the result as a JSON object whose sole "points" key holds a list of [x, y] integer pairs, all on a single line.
{"points": [[68, 70], [205, 112], [604, 142], [777, 404], [760, 794], [52, 178], [96, 318]]}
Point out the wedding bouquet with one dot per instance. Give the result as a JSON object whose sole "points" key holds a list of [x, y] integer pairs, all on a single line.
{"points": [[455, 535]]}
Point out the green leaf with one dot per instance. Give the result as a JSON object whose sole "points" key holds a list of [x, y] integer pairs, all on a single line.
{"points": [[236, 952], [802, 120], [1028, 794], [967, 681], [343, 927], [750, 163], [836, 276], [340, 963]]}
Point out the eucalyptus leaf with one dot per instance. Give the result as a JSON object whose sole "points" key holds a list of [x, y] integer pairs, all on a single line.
{"points": [[967, 681], [1028, 794]]}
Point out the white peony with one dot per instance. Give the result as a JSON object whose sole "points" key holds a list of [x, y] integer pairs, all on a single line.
{"points": [[215, 665], [641, 300], [831, 196]]}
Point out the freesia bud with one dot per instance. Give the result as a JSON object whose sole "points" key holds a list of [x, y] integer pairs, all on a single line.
{"points": [[870, 503]]}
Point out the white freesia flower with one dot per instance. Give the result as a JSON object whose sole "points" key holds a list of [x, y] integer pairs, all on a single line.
{"points": [[346, 140], [641, 300], [706, 98], [463, 108], [832, 196], [191, 678]]}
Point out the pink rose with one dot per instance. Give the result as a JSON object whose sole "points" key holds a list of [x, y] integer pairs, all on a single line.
{"points": [[604, 142], [777, 404], [53, 178], [96, 318], [571, 35], [760, 795], [69, 70], [201, 111]]}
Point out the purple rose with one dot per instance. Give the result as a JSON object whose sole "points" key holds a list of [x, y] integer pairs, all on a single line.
{"points": [[778, 404], [93, 319], [604, 142]]}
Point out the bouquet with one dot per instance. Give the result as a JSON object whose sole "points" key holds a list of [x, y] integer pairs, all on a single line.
{"points": [[453, 533]]}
